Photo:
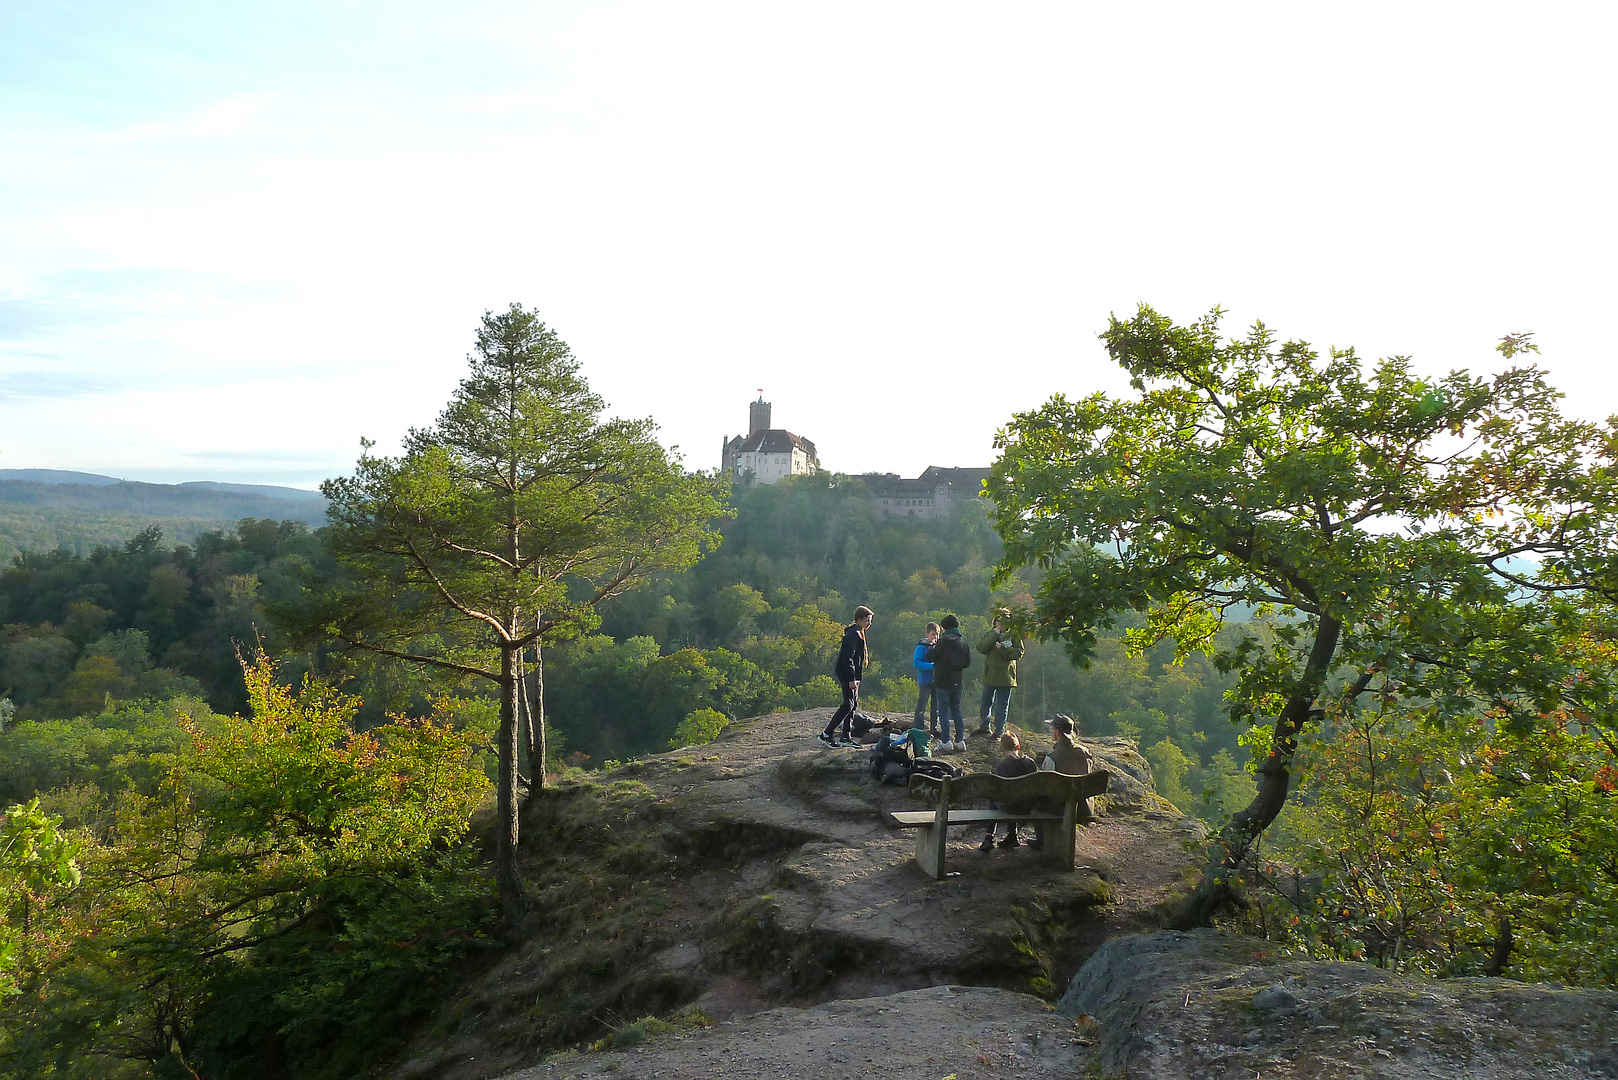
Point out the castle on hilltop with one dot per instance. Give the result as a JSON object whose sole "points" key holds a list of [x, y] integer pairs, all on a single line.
{"points": [[765, 454], [930, 495]]}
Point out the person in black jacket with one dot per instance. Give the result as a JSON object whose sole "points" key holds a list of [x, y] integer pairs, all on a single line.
{"points": [[950, 657], [849, 670]]}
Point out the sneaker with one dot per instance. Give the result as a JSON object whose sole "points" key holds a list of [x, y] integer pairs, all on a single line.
{"points": [[955, 747], [1010, 841], [827, 739], [988, 843], [983, 730]]}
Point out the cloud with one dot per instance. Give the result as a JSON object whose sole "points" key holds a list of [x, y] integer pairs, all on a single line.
{"points": [[53, 385], [227, 117]]}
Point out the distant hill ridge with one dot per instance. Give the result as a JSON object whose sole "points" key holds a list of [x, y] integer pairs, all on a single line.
{"points": [[59, 477], [215, 501], [45, 509]]}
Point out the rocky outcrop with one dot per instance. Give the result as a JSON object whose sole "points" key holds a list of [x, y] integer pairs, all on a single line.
{"points": [[758, 871], [1173, 1006]]}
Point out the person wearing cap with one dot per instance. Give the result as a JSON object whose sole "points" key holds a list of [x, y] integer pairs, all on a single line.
{"points": [[1001, 650], [950, 658], [1067, 756]]}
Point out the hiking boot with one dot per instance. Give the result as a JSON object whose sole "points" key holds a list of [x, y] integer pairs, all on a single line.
{"points": [[988, 843], [1010, 841]]}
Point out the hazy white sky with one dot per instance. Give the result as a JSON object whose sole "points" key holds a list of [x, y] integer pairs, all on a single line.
{"points": [[235, 238]]}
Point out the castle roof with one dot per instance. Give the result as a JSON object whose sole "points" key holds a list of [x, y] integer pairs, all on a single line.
{"points": [[970, 479], [773, 441]]}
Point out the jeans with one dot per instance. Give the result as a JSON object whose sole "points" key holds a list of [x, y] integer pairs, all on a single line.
{"points": [[949, 704], [997, 698], [925, 702], [845, 712]]}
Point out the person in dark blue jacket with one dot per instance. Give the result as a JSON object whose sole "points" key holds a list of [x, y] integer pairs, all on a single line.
{"points": [[925, 701], [849, 670]]}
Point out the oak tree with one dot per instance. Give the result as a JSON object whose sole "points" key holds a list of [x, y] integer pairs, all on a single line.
{"points": [[1406, 532]]}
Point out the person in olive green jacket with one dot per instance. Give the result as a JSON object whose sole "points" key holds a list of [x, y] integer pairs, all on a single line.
{"points": [[1001, 650]]}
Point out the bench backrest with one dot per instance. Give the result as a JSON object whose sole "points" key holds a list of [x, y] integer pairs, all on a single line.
{"points": [[1050, 787]]}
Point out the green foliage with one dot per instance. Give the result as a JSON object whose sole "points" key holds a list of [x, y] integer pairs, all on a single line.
{"points": [[702, 726], [521, 498], [1376, 511], [129, 748], [81, 633], [81, 532], [282, 901], [35, 859], [768, 597], [1418, 846]]}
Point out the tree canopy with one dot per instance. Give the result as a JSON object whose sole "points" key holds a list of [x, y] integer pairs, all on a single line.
{"points": [[504, 523], [1385, 516]]}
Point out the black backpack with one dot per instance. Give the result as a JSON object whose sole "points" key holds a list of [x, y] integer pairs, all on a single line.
{"points": [[891, 762], [937, 769]]}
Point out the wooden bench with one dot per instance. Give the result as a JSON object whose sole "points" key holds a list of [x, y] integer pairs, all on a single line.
{"points": [[1050, 789]]}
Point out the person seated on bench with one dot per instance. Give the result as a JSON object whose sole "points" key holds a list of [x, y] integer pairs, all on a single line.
{"points": [[1013, 765], [1067, 756]]}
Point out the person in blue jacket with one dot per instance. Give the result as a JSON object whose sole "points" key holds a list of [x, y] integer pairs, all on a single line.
{"points": [[926, 703], [849, 670]]}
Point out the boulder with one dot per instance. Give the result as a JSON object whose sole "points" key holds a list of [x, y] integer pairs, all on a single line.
{"points": [[1203, 1005]]}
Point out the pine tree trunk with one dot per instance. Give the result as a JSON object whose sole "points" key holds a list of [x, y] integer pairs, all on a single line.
{"points": [[511, 890], [543, 754], [1218, 889]]}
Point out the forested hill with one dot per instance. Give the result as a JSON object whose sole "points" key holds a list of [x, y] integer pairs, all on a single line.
{"points": [[42, 509]]}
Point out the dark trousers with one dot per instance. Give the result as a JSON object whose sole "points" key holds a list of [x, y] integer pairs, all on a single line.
{"points": [[925, 701], [1012, 826], [949, 705], [845, 712], [994, 701]]}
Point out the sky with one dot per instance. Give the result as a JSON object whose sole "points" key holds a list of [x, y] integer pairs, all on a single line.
{"points": [[236, 238]]}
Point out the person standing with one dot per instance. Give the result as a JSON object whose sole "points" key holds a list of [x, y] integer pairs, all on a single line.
{"points": [[849, 670], [1001, 650], [925, 700], [950, 658]]}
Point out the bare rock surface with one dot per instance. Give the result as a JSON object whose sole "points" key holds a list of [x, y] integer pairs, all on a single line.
{"points": [[769, 877], [1204, 1006], [971, 1033]]}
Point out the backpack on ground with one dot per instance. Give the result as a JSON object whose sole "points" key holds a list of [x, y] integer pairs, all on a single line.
{"points": [[937, 769], [891, 760], [860, 723]]}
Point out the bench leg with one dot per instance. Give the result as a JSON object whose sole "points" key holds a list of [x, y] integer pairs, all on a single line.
{"points": [[1060, 842], [930, 839], [930, 851]]}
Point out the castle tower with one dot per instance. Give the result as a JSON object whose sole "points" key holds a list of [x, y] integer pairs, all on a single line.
{"points": [[766, 454], [758, 415]]}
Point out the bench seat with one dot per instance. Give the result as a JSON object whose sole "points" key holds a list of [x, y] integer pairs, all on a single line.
{"points": [[1049, 789]]}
